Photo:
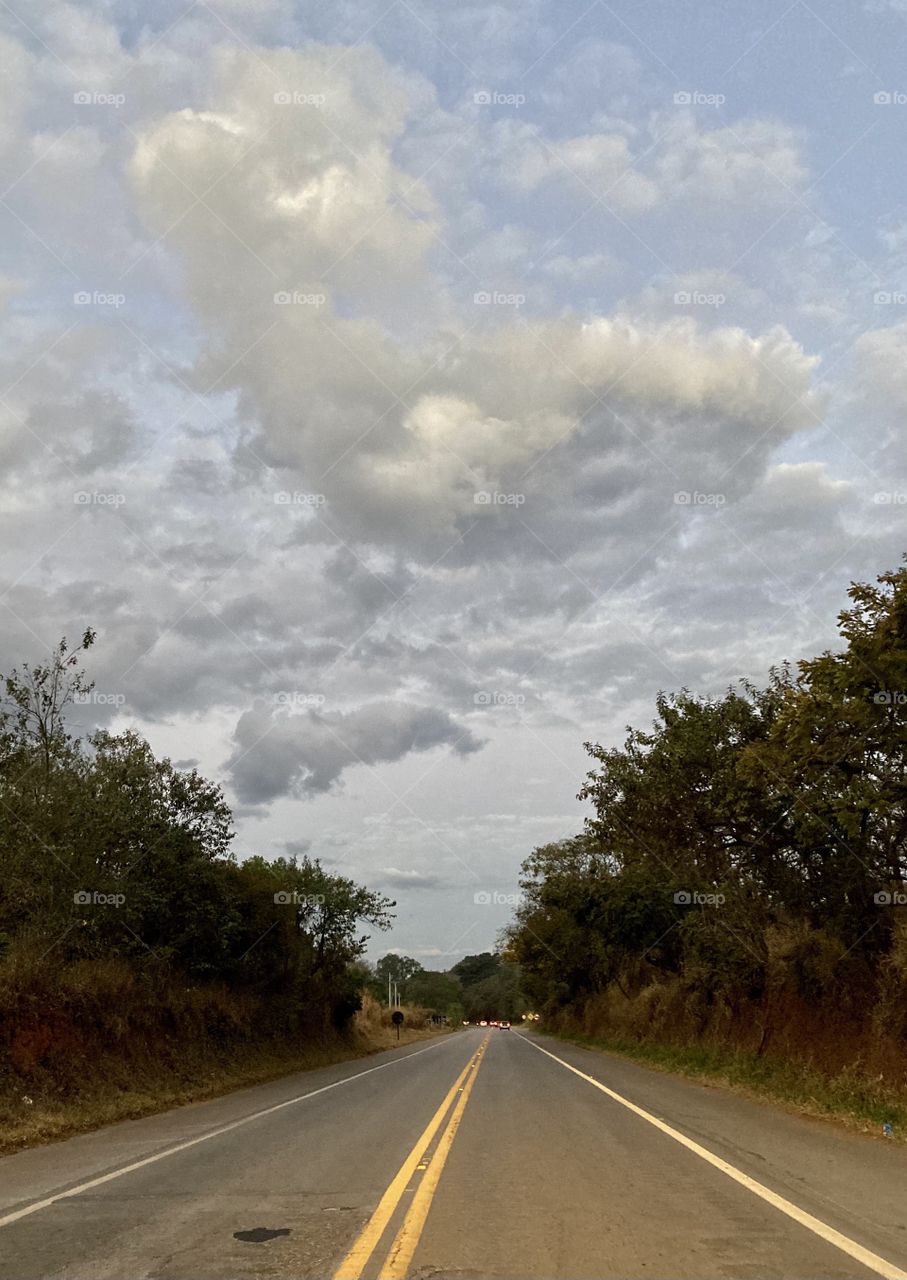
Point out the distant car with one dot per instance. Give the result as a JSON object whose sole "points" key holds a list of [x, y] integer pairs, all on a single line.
{"points": [[483, 1023], [505, 1026], [465, 1022], [494, 1024]]}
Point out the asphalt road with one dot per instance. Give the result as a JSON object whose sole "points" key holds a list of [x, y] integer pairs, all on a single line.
{"points": [[479, 1155]]}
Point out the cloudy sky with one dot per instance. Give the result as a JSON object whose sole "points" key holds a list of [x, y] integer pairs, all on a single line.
{"points": [[407, 390]]}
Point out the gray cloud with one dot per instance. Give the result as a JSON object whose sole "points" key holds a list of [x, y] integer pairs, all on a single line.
{"points": [[281, 496], [277, 753]]}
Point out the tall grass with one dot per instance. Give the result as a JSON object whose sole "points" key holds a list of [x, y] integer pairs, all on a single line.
{"points": [[811, 1057], [99, 1041]]}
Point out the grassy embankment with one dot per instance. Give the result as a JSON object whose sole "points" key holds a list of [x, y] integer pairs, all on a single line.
{"points": [[811, 1062], [100, 1046]]}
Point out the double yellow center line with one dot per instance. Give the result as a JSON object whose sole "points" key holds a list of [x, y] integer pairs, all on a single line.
{"points": [[400, 1254]]}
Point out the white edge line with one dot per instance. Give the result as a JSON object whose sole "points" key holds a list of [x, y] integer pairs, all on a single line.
{"points": [[28, 1209], [866, 1257]]}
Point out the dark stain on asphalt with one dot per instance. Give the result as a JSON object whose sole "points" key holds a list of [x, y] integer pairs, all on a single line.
{"points": [[258, 1235]]}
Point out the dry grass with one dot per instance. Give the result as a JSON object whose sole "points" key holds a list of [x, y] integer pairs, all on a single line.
{"points": [[373, 1021], [814, 1060], [848, 1097], [96, 1049]]}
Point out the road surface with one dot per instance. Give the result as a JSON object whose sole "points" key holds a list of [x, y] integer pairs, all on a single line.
{"points": [[482, 1154]]}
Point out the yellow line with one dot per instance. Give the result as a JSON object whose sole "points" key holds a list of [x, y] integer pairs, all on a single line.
{"points": [[36, 1206], [400, 1255], [871, 1260], [353, 1264]]}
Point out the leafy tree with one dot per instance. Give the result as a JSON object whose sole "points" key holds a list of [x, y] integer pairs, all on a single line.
{"points": [[472, 969], [497, 997], [433, 990], [740, 844], [674, 796], [107, 851], [36, 699], [400, 970], [837, 759]]}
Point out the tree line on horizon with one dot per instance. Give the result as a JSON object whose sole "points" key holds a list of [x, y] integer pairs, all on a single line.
{"points": [[486, 985]]}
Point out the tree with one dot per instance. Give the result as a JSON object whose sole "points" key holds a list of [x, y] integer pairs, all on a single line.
{"points": [[497, 997], [400, 970], [837, 761], [107, 852], [433, 990], [674, 796], [37, 697], [472, 969], [741, 843], [42, 782]]}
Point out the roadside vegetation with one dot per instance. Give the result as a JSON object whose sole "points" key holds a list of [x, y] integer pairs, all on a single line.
{"points": [[140, 962], [736, 904], [479, 986]]}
